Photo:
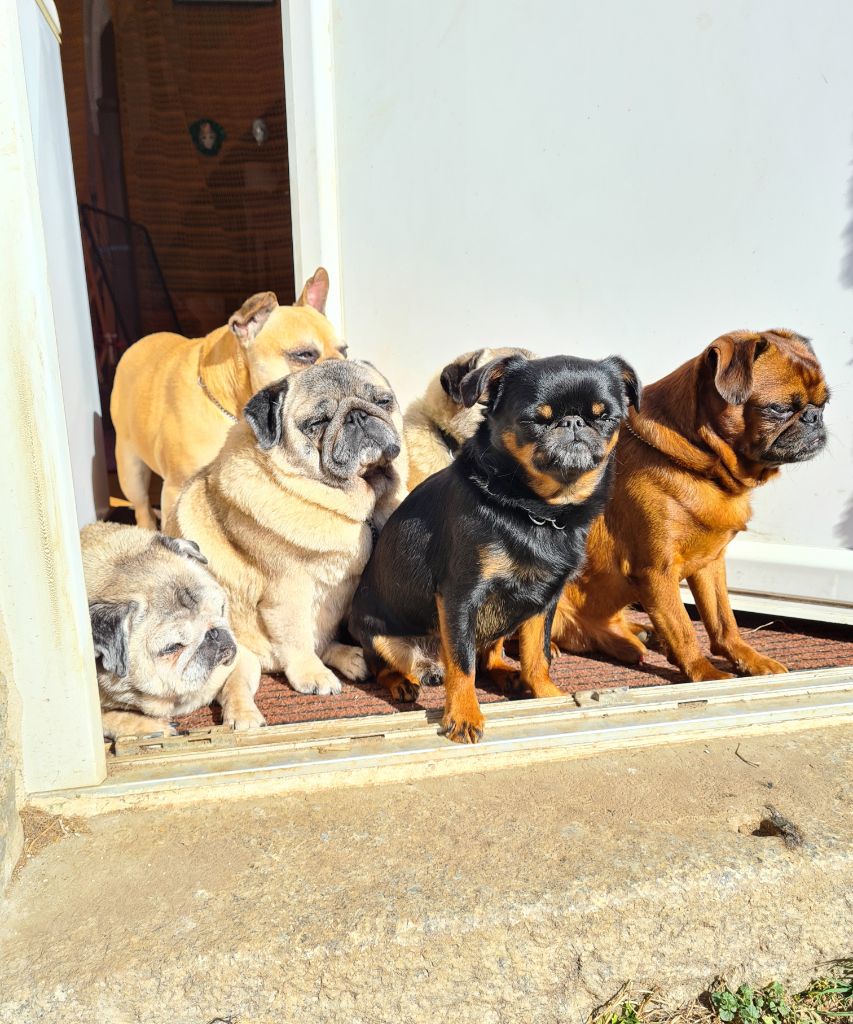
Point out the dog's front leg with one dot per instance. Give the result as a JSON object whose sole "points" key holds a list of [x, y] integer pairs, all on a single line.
{"points": [[463, 720], [237, 696], [712, 599], [289, 622], [660, 597], [534, 649], [131, 723]]}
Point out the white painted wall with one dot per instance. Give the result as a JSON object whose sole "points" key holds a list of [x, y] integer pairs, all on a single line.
{"points": [[66, 275], [603, 177]]}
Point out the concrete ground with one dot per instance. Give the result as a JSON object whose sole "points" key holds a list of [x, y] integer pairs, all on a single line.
{"points": [[519, 895]]}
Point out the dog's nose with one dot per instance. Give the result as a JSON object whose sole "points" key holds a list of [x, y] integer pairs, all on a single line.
{"points": [[573, 422], [812, 415], [357, 416], [215, 636]]}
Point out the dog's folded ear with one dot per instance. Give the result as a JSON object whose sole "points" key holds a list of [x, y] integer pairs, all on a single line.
{"points": [[783, 332], [483, 384], [184, 548], [630, 380], [250, 318], [732, 357], [453, 373], [316, 291], [263, 414], [111, 634]]}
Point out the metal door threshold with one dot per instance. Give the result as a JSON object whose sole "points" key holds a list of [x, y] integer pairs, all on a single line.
{"points": [[401, 747]]}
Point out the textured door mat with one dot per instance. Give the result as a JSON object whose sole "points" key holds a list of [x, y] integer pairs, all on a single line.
{"points": [[799, 645]]}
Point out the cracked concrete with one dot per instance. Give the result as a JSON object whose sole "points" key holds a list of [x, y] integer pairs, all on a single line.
{"points": [[528, 894]]}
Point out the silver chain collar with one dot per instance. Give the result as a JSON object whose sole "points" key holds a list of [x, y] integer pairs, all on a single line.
{"points": [[213, 399], [536, 522]]}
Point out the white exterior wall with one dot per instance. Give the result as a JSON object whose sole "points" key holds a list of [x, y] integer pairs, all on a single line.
{"points": [[596, 178]]}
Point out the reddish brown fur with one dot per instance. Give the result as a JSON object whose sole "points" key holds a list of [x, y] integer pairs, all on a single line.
{"points": [[502, 671], [685, 470]]}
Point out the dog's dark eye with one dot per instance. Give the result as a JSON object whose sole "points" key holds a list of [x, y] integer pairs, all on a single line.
{"points": [[307, 356], [312, 426], [384, 401], [777, 410], [342, 351], [171, 649]]}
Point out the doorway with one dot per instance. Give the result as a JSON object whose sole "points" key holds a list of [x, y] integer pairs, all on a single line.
{"points": [[179, 141]]}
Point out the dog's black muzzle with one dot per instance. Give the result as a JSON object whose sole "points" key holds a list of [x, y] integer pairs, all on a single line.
{"points": [[220, 643]]}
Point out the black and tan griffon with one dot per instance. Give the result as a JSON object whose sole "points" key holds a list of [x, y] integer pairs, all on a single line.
{"points": [[485, 547]]}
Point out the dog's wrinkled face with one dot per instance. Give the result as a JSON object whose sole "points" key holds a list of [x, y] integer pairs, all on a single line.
{"points": [[335, 421], [768, 395], [557, 418], [167, 632], [278, 340]]}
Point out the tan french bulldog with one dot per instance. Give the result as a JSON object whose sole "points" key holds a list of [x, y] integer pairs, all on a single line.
{"points": [[175, 399]]}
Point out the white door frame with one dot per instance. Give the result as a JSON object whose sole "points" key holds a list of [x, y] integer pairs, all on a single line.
{"points": [[46, 654], [312, 146]]}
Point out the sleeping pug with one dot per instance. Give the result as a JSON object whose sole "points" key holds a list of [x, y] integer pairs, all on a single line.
{"points": [[287, 512], [162, 640]]}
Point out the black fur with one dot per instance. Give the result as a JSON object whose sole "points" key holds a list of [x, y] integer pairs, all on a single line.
{"points": [[453, 374], [184, 548], [263, 414], [110, 631], [433, 544]]}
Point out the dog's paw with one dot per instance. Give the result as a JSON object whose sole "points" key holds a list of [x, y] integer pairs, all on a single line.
{"points": [[463, 721], [433, 676], [157, 727], [242, 716], [702, 671], [349, 661], [759, 665], [319, 680], [462, 730]]}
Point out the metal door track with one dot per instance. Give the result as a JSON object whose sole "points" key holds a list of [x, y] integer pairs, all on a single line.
{"points": [[387, 748]]}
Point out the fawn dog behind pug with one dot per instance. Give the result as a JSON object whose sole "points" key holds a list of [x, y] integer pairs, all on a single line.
{"points": [[438, 423], [175, 399], [709, 433]]}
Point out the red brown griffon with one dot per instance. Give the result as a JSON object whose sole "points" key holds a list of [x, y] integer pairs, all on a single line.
{"points": [[710, 433]]}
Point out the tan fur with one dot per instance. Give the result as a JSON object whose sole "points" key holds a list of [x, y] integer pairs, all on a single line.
{"points": [[167, 423], [126, 563], [289, 549], [544, 484], [495, 561], [436, 411]]}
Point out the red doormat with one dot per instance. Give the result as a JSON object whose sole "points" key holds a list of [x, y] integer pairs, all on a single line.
{"points": [[797, 644]]}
